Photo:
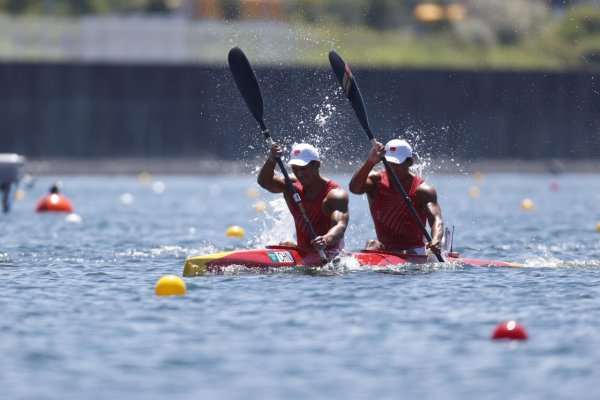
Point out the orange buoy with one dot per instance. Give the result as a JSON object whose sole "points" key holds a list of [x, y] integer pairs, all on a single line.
{"points": [[54, 202], [509, 330]]}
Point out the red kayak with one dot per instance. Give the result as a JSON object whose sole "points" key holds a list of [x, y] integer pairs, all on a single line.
{"points": [[273, 257]]}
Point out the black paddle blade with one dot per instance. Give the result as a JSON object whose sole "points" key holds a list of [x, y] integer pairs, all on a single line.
{"points": [[346, 79], [246, 82]]}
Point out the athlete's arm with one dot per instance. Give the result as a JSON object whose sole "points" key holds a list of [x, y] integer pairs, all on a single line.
{"points": [[336, 206], [427, 198], [266, 177], [362, 181]]}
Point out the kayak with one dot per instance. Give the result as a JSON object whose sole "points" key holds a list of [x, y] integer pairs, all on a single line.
{"points": [[273, 257]]}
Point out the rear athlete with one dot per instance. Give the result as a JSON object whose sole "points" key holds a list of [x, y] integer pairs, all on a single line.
{"points": [[396, 228], [325, 202]]}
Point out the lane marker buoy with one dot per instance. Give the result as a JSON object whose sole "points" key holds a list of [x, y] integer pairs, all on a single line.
{"points": [[260, 206], [252, 192], [54, 203], [235, 231], [510, 330], [474, 192], [126, 199], [170, 285], [158, 187], [527, 204]]}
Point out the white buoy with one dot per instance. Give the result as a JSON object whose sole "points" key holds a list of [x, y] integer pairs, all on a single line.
{"points": [[73, 218], [127, 199], [158, 187]]}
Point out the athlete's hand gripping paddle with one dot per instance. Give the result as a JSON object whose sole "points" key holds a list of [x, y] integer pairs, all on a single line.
{"points": [[350, 87], [248, 86]]}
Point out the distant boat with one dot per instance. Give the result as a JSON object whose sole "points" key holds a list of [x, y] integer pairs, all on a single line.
{"points": [[11, 167]]}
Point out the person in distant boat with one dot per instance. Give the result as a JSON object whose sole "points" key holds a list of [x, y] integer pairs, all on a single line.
{"points": [[6, 189], [395, 226], [54, 189], [11, 171], [325, 202]]}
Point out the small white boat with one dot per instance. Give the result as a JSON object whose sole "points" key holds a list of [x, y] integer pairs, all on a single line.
{"points": [[11, 167]]}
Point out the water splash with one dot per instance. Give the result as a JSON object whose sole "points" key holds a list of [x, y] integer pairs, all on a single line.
{"points": [[555, 263], [4, 258], [167, 250], [276, 224]]}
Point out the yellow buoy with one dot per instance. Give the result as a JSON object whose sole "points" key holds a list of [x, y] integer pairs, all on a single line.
{"points": [[170, 285], [598, 227], [260, 206], [474, 192], [527, 204], [235, 231], [144, 178], [19, 195], [478, 176], [252, 192]]}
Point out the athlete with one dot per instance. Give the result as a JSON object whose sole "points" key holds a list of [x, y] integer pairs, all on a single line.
{"points": [[6, 191], [395, 226], [325, 202]]}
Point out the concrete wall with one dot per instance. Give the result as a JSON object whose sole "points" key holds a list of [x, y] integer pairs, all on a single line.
{"points": [[96, 110]]}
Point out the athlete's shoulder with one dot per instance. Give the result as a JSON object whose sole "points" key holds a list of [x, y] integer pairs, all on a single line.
{"points": [[426, 191], [337, 192]]}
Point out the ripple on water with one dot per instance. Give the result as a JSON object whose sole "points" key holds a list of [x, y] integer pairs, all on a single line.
{"points": [[80, 318]]}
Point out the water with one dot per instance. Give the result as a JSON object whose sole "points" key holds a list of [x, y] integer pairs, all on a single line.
{"points": [[80, 318]]}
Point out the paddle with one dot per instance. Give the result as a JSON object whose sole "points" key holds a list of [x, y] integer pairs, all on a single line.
{"points": [[248, 86], [350, 87]]}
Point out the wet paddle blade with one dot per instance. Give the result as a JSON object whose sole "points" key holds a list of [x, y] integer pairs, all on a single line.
{"points": [[246, 82], [351, 90]]}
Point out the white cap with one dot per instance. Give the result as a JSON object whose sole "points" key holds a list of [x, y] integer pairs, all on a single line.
{"points": [[302, 154], [397, 151]]}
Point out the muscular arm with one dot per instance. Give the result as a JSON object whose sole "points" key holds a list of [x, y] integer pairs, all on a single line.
{"points": [[362, 180], [336, 206], [267, 178], [427, 198]]}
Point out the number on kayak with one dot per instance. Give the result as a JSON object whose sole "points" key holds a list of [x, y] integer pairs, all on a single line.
{"points": [[281, 256]]}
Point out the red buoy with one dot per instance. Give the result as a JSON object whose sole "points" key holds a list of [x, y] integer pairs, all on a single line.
{"points": [[510, 330], [54, 203]]}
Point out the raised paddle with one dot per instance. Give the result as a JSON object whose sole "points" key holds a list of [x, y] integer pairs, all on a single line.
{"points": [[248, 85], [350, 87]]}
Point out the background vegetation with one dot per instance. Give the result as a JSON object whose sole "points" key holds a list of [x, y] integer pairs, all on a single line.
{"points": [[538, 34]]}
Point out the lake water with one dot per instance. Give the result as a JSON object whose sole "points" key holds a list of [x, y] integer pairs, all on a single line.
{"points": [[80, 319]]}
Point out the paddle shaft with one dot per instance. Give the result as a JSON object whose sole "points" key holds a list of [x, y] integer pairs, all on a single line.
{"points": [[246, 81], [352, 91]]}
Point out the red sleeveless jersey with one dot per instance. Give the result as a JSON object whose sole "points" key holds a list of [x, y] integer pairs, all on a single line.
{"points": [[394, 223], [314, 210]]}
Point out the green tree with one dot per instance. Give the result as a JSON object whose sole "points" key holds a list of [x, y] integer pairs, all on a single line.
{"points": [[384, 14], [580, 23]]}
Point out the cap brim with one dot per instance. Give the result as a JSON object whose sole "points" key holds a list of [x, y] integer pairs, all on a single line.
{"points": [[395, 160], [298, 162]]}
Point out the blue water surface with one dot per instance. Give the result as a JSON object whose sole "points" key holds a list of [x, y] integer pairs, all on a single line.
{"points": [[80, 319]]}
